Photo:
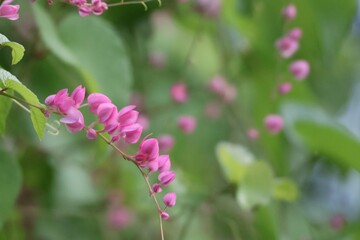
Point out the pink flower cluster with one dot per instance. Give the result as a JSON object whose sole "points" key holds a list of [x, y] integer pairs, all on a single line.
{"points": [[9, 11], [119, 124], [222, 88], [96, 7]]}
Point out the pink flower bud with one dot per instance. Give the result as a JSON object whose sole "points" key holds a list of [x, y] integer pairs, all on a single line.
{"points": [[169, 199], [164, 163], [229, 93], [217, 84], [157, 60], [144, 122], [274, 123], [157, 188], [78, 96], [187, 124], [91, 134], [164, 215], [287, 46], [178, 92], [115, 138], [284, 88], [253, 134], [295, 34], [300, 69], [289, 12], [95, 99], [73, 120], [166, 178], [166, 142], [9, 11], [84, 11], [149, 150]]}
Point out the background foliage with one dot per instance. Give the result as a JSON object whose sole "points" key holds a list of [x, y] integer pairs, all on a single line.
{"points": [[293, 185]]}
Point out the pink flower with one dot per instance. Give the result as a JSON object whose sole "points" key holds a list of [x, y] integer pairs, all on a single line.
{"points": [[148, 150], [166, 142], [208, 8], [78, 95], [300, 69], [284, 88], [127, 115], [337, 221], [295, 34], [98, 7], [274, 123], [73, 120], [144, 122], [164, 163], [253, 134], [187, 124], [60, 101], [95, 99], [166, 178], [153, 166], [178, 92], [84, 10], [164, 215], [217, 84], [169, 199], [131, 133], [9, 11], [289, 12], [107, 112], [229, 93], [287, 46]]}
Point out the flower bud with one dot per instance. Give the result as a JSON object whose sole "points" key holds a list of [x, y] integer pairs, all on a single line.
{"points": [[187, 124], [274, 123], [300, 69], [169, 199], [178, 92]]}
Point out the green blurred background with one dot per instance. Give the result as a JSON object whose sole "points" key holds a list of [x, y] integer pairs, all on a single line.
{"points": [[304, 183]]}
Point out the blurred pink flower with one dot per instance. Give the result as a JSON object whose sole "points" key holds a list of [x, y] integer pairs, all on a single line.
{"points": [[287, 46], [187, 124], [169, 199], [166, 142], [9, 11], [289, 12], [274, 123], [253, 134], [300, 69], [284, 88], [178, 92]]}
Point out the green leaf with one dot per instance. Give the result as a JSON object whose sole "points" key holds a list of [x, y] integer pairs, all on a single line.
{"points": [[5, 105], [10, 182], [256, 186], [332, 141], [17, 50], [109, 72], [234, 160], [285, 189], [37, 117]]}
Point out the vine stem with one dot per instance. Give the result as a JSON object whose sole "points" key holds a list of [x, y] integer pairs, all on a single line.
{"points": [[130, 3], [102, 136]]}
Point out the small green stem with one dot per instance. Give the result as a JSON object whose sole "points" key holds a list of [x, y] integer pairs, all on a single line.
{"points": [[130, 3], [2, 92]]}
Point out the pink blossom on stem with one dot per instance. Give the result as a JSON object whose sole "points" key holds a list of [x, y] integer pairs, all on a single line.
{"points": [[300, 69], [287, 46], [148, 150], [95, 99], [164, 215], [73, 120], [107, 112], [166, 142], [284, 88], [9, 11], [127, 115], [166, 178], [164, 163], [274, 123], [84, 10], [178, 92], [131, 133], [143, 121], [153, 166], [119, 218], [187, 124], [157, 188], [91, 133], [289, 12], [78, 95], [169, 199]]}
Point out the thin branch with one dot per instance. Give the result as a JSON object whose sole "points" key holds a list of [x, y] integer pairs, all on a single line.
{"points": [[131, 3], [2, 92]]}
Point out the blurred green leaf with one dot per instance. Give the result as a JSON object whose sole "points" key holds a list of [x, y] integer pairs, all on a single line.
{"points": [[37, 117], [77, 40], [5, 105], [17, 50], [285, 189], [256, 185], [10, 182], [234, 160], [332, 141]]}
